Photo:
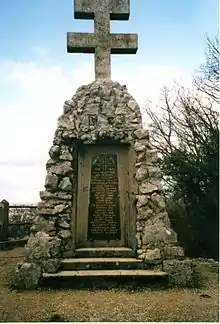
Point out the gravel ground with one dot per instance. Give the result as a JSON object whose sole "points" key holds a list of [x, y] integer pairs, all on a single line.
{"points": [[45, 305]]}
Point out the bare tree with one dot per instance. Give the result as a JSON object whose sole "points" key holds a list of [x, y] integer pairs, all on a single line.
{"points": [[207, 76], [185, 133]]}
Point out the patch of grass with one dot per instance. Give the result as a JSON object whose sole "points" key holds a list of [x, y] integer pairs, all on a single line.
{"points": [[68, 305]]}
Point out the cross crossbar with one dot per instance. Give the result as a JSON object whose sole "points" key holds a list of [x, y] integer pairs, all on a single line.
{"points": [[87, 43], [102, 42]]}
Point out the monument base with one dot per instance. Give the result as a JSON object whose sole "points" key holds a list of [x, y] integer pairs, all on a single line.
{"points": [[103, 187]]}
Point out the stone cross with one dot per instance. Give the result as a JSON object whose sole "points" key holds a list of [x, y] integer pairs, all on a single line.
{"points": [[102, 42]]}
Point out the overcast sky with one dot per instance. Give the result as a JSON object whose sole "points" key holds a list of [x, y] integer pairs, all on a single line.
{"points": [[37, 75]]}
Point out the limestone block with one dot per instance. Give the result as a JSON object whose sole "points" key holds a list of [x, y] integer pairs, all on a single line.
{"points": [[154, 171], [142, 200], [64, 234], [50, 162], [84, 126], [65, 185], [51, 265], [141, 157], [64, 122], [42, 246], [120, 111], [26, 275], [132, 104], [51, 182], [158, 201], [64, 224], [181, 273], [66, 108], [152, 255], [61, 168], [42, 224], [60, 208], [173, 252], [139, 147], [54, 151], [145, 213], [65, 154], [151, 157], [142, 173], [46, 195], [158, 235], [50, 209], [147, 187], [142, 134]]}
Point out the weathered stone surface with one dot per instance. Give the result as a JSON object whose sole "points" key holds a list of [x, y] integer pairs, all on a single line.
{"points": [[42, 247], [50, 162], [51, 265], [181, 273], [173, 252], [26, 275], [64, 233], [151, 158], [147, 187], [46, 195], [60, 208], [61, 169], [54, 151], [64, 224], [102, 43], [51, 182], [142, 134], [119, 10], [158, 235], [158, 201], [139, 147], [65, 154], [142, 173], [65, 185], [154, 171], [41, 224], [144, 212], [142, 200], [66, 107], [141, 157], [151, 255]]}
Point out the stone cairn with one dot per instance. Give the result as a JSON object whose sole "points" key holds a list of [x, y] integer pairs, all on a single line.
{"points": [[101, 110]]}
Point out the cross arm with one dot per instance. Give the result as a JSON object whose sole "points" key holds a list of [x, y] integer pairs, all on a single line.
{"points": [[81, 42], [124, 43], [118, 9]]}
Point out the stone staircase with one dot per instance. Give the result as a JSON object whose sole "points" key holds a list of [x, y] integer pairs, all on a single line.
{"points": [[103, 263]]}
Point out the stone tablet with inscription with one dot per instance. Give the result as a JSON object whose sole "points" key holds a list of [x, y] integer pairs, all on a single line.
{"points": [[104, 214]]}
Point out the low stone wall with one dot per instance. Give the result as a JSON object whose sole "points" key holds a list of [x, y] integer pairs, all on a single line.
{"points": [[21, 213], [21, 218]]}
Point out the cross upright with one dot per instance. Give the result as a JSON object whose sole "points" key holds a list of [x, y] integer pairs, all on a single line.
{"points": [[102, 42]]}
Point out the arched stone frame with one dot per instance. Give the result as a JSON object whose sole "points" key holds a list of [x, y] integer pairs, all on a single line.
{"points": [[118, 119], [104, 110]]}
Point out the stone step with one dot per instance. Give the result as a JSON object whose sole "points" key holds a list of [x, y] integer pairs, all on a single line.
{"points": [[101, 263], [105, 273], [97, 252]]}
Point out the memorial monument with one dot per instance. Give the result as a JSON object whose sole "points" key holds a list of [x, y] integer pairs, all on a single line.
{"points": [[103, 195]]}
